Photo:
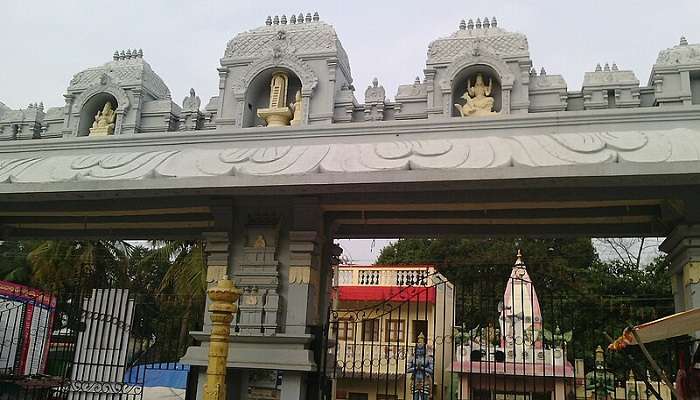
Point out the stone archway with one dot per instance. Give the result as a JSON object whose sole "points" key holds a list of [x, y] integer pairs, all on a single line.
{"points": [[470, 64], [93, 99], [91, 107], [306, 77]]}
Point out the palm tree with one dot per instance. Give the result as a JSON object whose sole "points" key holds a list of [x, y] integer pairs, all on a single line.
{"points": [[185, 277], [74, 265]]}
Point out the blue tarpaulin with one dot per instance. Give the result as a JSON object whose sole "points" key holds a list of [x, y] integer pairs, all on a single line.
{"points": [[170, 375]]}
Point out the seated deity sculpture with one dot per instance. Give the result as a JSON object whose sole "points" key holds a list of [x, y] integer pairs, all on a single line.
{"points": [[104, 121], [478, 99], [277, 114], [297, 107]]}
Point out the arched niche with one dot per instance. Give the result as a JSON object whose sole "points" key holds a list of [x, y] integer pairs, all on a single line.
{"points": [[90, 108], [257, 94], [467, 77]]}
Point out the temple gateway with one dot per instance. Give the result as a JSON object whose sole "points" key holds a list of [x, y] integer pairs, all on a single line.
{"points": [[289, 156]]}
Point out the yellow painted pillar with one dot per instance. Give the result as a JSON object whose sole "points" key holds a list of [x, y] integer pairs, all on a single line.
{"points": [[223, 297]]}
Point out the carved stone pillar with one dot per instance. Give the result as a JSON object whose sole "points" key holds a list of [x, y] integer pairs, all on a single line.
{"points": [[304, 270], [258, 276], [217, 249], [683, 249]]}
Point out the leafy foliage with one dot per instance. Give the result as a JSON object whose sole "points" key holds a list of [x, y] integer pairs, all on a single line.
{"points": [[577, 291]]}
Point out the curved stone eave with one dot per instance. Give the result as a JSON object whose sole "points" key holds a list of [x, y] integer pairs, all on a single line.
{"points": [[429, 160]]}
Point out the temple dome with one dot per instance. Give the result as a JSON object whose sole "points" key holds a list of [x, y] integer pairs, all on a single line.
{"points": [[303, 39], [487, 37], [126, 69], [681, 54]]}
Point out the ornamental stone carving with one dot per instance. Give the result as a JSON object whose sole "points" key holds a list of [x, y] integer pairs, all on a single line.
{"points": [[506, 78], [535, 150], [105, 86], [681, 54], [306, 75], [495, 40]]}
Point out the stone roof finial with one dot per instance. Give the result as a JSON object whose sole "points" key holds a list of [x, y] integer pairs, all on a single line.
{"points": [[300, 18], [487, 24], [684, 41], [308, 17], [283, 20], [494, 23], [462, 25], [606, 68], [41, 106], [614, 67], [417, 81], [316, 17], [293, 19], [533, 71], [470, 24], [268, 21], [115, 57], [478, 23], [128, 53], [598, 68], [276, 20], [122, 55], [543, 72]]}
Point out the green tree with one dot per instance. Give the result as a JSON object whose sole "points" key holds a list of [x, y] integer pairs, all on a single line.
{"points": [[14, 266], [577, 291]]}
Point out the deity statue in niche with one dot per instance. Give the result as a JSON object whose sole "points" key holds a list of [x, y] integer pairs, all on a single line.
{"points": [[104, 121], [478, 99], [297, 107], [277, 114]]}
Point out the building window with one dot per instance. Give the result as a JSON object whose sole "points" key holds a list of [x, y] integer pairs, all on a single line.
{"points": [[419, 326], [357, 396], [370, 330], [395, 330], [345, 329]]}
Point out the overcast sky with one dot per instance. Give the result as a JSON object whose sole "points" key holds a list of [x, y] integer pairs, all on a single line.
{"points": [[44, 43]]}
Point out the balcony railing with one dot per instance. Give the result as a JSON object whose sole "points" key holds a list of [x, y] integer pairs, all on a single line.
{"points": [[389, 276]]}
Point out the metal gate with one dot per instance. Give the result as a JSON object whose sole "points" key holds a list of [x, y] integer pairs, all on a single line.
{"points": [[100, 344], [406, 333]]}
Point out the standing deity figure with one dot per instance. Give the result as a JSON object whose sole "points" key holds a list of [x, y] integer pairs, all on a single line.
{"points": [[297, 107], [277, 114], [421, 368], [104, 121], [478, 99]]}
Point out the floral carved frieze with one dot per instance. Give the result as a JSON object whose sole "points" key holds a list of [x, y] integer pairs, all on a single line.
{"points": [[541, 150]]}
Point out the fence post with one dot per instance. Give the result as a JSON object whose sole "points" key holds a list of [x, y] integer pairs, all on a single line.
{"points": [[223, 297]]}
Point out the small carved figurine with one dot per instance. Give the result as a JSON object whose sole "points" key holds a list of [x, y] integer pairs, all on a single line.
{"points": [[297, 107], [191, 102], [104, 121]]}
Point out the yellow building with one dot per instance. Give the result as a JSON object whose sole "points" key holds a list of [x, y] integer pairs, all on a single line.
{"points": [[381, 312]]}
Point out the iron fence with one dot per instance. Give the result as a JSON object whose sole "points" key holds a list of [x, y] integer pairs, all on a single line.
{"points": [[494, 338], [95, 344]]}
